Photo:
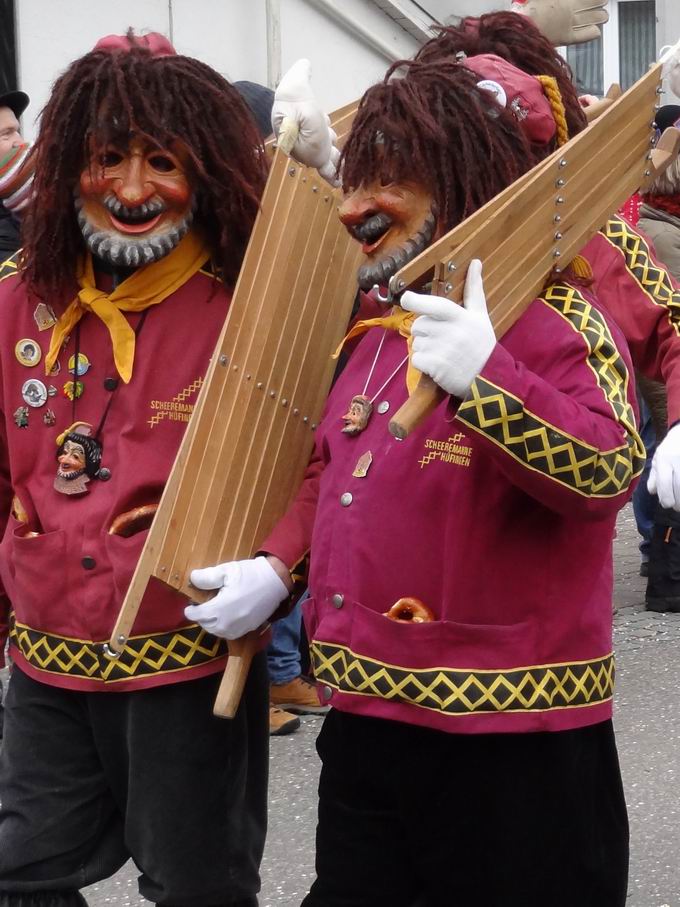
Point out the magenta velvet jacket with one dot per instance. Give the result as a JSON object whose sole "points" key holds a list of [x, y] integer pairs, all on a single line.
{"points": [[67, 583], [497, 513]]}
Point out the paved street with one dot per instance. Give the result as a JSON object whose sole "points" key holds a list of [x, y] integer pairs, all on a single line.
{"points": [[648, 728]]}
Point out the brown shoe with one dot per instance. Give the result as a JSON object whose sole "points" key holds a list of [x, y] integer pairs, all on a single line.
{"points": [[298, 696], [281, 722]]}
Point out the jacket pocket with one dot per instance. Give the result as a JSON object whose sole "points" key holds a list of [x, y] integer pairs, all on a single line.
{"points": [[35, 573], [123, 554]]}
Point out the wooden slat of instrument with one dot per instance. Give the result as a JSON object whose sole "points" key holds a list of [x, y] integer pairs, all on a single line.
{"points": [[525, 231], [248, 442]]}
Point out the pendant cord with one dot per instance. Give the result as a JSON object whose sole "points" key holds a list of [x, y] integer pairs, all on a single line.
{"points": [[76, 376], [381, 389], [372, 369], [76, 362], [100, 427], [375, 360]]}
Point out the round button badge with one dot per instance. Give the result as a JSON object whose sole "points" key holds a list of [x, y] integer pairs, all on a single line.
{"points": [[34, 392], [28, 352], [81, 368]]}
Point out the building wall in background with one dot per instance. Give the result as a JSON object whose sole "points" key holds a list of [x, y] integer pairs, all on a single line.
{"points": [[230, 35]]}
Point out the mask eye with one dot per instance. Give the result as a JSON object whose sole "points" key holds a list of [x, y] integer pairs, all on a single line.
{"points": [[110, 158], [162, 163]]}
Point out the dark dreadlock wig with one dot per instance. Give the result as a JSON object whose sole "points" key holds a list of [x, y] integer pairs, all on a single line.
{"points": [[515, 38], [105, 96], [428, 122]]}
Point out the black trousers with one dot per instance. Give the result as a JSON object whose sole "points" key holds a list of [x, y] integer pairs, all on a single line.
{"points": [[90, 779], [410, 817]]}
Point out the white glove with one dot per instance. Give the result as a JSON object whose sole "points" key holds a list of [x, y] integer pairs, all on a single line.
{"points": [[565, 21], [452, 343], [294, 102], [250, 592], [664, 476]]}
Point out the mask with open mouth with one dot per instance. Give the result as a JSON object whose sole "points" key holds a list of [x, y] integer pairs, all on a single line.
{"points": [[394, 224], [134, 203]]}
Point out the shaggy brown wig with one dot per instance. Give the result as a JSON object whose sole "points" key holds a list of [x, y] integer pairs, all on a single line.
{"points": [[515, 38], [106, 96], [428, 122]]}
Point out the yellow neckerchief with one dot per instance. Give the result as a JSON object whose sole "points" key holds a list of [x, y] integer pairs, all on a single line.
{"points": [[145, 287], [397, 320]]}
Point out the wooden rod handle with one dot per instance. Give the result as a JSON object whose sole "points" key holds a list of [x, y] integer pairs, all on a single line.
{"points": [[425, 398], [241, 652]]}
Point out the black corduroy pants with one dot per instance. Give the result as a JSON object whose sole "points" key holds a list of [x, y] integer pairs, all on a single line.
{"points": [[88, 780], [411, 817]]}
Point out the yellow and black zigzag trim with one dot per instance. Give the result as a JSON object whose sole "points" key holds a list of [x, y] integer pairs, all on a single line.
{"points": [[653, 280], [157, 653], [545, 448], [457, 692], [9, 267]]}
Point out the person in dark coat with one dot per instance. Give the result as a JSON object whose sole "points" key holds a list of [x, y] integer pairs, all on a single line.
{"points": [[12, 106]]}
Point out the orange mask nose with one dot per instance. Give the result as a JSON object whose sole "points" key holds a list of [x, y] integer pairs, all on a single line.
{"points": [[355, 209]]}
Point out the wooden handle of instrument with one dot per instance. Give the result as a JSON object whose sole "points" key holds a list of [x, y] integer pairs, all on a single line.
{"points": [[241, 652], [426, 397]]}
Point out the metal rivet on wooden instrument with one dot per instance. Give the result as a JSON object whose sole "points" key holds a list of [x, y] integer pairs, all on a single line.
{"points": [[305, 418], [648, 172], [401, 284], [296, 412], [236, 368], [652, 141], [163, 569], [563, 162], [175, 576], [325, 198], [315, 188], [557, 270], [557, 253], [451, 266], [259, 385], [448, 287], [559, 183], [224, 360], [559, 200], [291, 172], [557, 218], [660, 90], [122, 638], [248, 377], [558, 236], [272, 393], [648, 156], [284, 402]]}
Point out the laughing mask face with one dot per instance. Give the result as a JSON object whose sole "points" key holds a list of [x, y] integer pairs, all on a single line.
{"points": [[134, 202], [393, 223]]}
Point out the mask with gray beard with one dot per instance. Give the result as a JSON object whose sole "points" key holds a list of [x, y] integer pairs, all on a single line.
{"points": [[380, 272], [130, 251]]}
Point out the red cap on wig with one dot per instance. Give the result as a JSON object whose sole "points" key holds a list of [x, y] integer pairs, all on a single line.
{"points": [[521, 93], [158, 44]]}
